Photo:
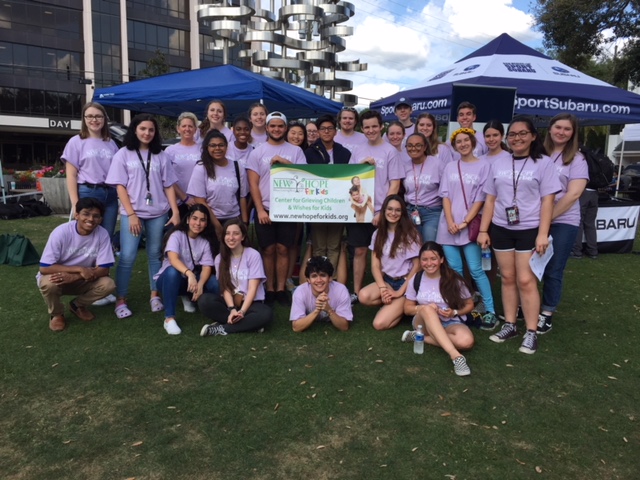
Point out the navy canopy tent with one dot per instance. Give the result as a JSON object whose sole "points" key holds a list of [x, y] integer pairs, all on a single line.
{"points": [[175, 93], [544, 86]]}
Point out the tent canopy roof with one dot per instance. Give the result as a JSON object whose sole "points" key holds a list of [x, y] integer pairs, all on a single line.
{"points": [[175, 93]]}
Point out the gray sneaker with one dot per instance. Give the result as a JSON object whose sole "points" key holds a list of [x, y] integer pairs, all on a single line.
{"points": [[409, 336], [529, 343], [489, 321], [211, 330], [507, 332], [460, 366]]}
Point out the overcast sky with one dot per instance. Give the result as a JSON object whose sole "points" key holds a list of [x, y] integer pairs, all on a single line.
{"points": [[406, 41]]}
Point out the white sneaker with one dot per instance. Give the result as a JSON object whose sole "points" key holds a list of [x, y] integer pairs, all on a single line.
{"points": [[109, 299], [188, 305], [171, 326]]}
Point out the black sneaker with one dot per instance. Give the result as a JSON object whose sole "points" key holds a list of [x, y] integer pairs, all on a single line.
{"points": [[544, 324], [507, 332], [282, 297], [212, 330], [529, 343], [270, 297], [354, 298]]}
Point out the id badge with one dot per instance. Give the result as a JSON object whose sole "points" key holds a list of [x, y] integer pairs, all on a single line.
{"points": [[513, 215], [148, 199], [415, 217]]}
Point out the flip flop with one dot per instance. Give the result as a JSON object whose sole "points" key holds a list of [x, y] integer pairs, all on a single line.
{"points": [[122, 311], [156, 304]]}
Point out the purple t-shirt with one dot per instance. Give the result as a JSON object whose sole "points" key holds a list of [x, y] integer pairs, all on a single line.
{"points": [[421, 182], [127, 170], [240, 156], [260, 162], [537, 179], [248, 267], [474, 176], [178, 243], [303, 302], [258, 139], [67, 247], [402, 263], [578, 169], [388, 168], [91, 157], [219, 192], [429, 292], [445, 153], [352, 141], [493, 158], [183, 158], [226, 131]]}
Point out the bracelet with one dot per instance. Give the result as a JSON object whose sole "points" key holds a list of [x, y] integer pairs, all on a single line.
{"points": [[384, 286], [185, 199], [483, 231], [185, 272], [455, 312], [231, 308]]}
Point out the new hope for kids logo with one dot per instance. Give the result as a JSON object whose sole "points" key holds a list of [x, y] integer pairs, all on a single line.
{"points": [[301, 185]]}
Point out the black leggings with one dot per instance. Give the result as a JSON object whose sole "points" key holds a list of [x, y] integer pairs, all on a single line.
{"points": [[214, 307]]}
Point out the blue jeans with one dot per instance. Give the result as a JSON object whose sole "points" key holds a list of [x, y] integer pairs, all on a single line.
{"points": [[473, 256], [109, 198], [153, 229], [429, 218], [171, 284], [395, 284], [564, 237]]}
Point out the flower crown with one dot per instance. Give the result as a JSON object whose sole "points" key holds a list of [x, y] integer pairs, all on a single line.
{"points": [[468, 131]]}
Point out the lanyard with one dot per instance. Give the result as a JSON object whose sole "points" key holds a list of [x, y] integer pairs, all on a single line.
{"points": [[515, 179], [557, 157], [147, 169], [415, 179]]}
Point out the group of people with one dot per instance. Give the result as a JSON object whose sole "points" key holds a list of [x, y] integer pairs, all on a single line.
{"points": [[434, 204]]}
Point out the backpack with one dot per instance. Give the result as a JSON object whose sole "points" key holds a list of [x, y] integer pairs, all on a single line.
{"points": [[601, 168]]}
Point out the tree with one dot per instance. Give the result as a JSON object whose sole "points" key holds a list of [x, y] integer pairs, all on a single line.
{"points": [[580, 30]]}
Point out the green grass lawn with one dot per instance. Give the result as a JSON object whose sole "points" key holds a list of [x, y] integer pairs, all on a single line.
{"points": [[119, 399]]}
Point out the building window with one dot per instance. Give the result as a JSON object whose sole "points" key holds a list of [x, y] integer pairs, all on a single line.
{"points": [[149, 37]]}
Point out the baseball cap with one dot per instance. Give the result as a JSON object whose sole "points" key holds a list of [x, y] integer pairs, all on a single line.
{"points": [[277, 115]]}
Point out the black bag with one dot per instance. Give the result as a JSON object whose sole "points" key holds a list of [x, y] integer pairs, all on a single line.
{"points": [[36, 208], [17, 250], [12, 211], [601, 168]]}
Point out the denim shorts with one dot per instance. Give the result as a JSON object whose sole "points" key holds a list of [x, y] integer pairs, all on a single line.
{"points": [[395, 284]]}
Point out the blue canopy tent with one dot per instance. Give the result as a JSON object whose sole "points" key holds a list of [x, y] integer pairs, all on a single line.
{"points": [[545, 87], [175, 93]]}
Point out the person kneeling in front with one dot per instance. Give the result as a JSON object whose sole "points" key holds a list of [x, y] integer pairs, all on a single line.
{"points": [[320, 299], [76, 261]]}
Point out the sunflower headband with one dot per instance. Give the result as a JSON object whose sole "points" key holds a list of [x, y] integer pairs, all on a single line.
{"points": [[468, 131]]}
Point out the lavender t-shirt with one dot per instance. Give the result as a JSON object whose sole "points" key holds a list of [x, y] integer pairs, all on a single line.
{"points": [[91, 157], [421, 182], [258, 139], [578, 169], [67, 247], [303, 302], [127, 170], [237, 155], [474, 176], [352, 141], [178, 243], [429, 292], [248, 267], [260, 162], [402, 263], [538, 179], [219, 192], [388, 168], [183, 158], [226, 131], [445, 153], [492, 158]]}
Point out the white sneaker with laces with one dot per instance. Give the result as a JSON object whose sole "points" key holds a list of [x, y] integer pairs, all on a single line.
{"points": [[171, 326], [108, 300]]}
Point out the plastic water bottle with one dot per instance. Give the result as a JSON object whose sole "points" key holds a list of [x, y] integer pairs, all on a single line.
{"points": [[418, 343], [486, 259]]}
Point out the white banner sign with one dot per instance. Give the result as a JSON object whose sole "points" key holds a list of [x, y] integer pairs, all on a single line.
{"points": [[615, 224], [322, 193]]}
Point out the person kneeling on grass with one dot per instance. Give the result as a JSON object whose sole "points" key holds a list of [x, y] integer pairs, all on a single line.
{"points": [[320, 299], [188, 263], [439, 299], [240, 307], [76, 261]]}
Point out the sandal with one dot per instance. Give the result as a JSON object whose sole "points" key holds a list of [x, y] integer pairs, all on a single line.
{"points": [[122, 311], [156, 304]]}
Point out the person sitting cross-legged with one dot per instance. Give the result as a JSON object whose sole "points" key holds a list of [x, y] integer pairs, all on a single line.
{"points": [[76, 261], [320, 299]]}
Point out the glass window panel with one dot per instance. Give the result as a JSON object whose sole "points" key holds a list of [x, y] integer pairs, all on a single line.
{"points": [[6, 57], [37, 101], [22, 101], [51, 103], [66, 109], [8, 100]]}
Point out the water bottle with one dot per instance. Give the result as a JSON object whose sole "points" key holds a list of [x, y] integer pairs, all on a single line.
{"points": [[486, 259], [418, 343]]}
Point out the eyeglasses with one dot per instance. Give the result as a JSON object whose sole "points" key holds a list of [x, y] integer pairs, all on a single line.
{"points": [[319, 256], [326, 129], [216, 146], [94, 117], [312, 132], [521, 134], [349, 109], [417, 146]]}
